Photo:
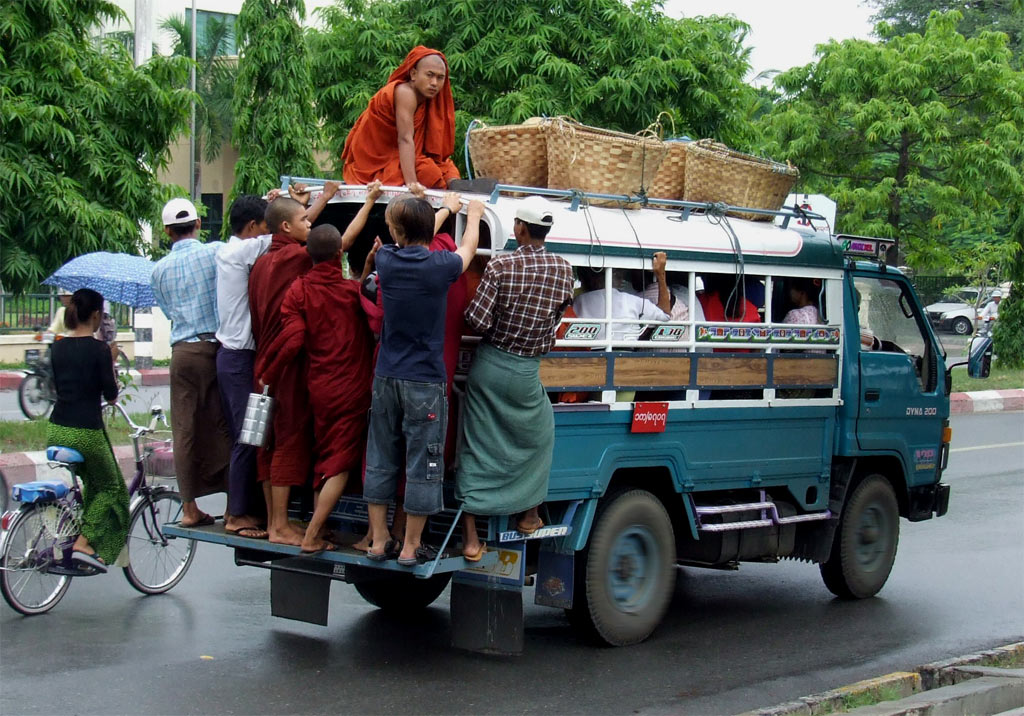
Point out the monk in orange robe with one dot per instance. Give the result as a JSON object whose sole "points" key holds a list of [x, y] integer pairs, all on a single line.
{"points": [[406, 135]]}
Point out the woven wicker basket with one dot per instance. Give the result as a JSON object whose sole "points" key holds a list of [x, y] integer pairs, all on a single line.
{"points": [[601, 161], [716, 173], [513, 153], [670, 181]]}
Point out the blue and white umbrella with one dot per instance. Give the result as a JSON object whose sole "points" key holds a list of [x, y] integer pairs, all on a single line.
{"points": [[121, 278]]}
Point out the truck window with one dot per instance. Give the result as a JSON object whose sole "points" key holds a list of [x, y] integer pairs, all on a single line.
{"points": [[888, 314]]}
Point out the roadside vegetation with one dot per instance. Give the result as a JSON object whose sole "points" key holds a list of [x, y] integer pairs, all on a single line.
{"points": [[29, 435], [1002, 377]]}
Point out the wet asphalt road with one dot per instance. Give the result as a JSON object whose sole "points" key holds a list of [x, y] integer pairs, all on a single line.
{"points": [[732, 641]]}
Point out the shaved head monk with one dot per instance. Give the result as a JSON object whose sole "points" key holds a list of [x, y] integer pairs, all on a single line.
{"points": [[406, 135]]}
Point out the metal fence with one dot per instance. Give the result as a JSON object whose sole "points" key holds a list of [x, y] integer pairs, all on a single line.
{"points": [[26, 312], [932, 288]]}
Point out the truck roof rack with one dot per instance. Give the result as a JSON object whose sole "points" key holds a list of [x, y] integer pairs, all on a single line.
{"points": [[710, 207], [576, 197]]}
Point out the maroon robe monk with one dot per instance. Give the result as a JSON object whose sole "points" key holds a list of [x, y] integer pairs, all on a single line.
{"points": [[321, 313], [286, 460], [374, 147]]}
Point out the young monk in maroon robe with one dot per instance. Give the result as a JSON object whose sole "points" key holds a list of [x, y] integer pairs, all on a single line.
{"points": [[285, 461], [321, 313], [406, 135]]}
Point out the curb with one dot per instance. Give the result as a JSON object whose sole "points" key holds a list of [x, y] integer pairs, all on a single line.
{"points": [[986, 401], [10, 380], [18, 467], [937, 675]]}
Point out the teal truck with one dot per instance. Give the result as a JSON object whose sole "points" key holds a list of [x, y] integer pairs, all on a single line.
{"points": [[694, 442]]}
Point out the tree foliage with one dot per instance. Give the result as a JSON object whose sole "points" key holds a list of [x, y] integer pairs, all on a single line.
{"points": [[918, 138], [215, 80], [603, 62], [82, 135], [902, 17], [1008, 333], [276, 127]]}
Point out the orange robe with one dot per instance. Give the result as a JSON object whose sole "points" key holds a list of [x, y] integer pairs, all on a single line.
{"points": [[371, 149]]}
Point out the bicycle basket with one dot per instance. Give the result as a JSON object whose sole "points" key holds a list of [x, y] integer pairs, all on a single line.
{"points": [[159, 458]]}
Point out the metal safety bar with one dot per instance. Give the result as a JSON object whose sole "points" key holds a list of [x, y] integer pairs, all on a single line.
{"points": [[769, 516]]}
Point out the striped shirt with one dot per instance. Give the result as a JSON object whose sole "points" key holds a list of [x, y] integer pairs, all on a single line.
{"points": [[520, 300], [185, 285]]}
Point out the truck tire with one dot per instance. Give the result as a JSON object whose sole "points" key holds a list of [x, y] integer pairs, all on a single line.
{"points": [[403, 592], [626, 576], [962, 326], [864, 547]]}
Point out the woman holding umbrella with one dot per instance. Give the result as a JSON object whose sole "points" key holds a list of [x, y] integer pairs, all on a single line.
{"points": [[82, 373]]}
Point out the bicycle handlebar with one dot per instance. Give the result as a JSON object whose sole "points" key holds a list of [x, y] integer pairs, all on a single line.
{"points": [[139, 430]]}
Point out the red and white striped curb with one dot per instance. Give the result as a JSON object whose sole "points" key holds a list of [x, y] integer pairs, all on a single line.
{"points": [[11, 379], [18, 467], [986, 401]]}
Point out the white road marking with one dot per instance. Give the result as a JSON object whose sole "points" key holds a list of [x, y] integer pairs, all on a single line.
{"points": [[988, 447]]}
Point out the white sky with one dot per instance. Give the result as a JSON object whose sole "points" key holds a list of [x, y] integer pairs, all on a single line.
{"points": [[783, 33]]}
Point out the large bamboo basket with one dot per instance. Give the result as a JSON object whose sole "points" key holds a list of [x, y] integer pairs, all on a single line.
{"points": [[512, 153], [670, 181], [714, 172], [601, 161]]}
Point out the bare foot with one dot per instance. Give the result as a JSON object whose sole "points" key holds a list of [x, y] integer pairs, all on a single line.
{"points": [[316, 545], [408, 552], [362, 545], [240, 522], [285, 536]]}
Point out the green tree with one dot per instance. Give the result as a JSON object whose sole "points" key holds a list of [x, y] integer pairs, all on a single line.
{"points": [[82, 135], [901, 17], [276, 128], [603, 62], [215, 80], [917, 138]]}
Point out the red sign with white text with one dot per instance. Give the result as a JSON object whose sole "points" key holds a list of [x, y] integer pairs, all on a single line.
{"points": [[649, 417]]}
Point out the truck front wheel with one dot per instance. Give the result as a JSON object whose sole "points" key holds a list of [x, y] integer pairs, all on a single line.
{"points": [[626, 576], [864, 547]]}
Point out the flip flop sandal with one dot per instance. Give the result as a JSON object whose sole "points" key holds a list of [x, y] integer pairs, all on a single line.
{"points": [[204, 521], [249, 532], [478, 555], [391, 550], [426, 553], [529, 530], [91, 561]]}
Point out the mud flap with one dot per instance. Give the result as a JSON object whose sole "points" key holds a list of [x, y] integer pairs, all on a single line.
{"points": [[814, 539], [299, 595], [487, 605]]}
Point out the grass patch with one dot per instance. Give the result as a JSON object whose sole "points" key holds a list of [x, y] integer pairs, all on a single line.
{"points": [[31, 434], [1008, 660], [870, 698], [1001, 378]]}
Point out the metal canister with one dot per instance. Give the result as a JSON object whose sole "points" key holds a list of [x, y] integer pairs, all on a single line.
{"points": [[258, 412]]}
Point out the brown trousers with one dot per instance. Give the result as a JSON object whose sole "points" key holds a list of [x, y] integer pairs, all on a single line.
{"points": [[202, 444]]}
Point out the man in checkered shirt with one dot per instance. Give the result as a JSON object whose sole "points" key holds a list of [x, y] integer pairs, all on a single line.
{"points": [[503, 467]]}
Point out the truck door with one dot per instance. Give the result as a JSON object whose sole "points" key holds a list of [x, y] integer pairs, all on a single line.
{"points": [[901, 403]]}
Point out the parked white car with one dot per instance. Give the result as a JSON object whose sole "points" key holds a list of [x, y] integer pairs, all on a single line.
{"points": [[957, 313]]}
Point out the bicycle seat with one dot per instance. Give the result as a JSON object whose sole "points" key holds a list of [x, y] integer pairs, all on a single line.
{"points": [[59, 453], [39, 491]]}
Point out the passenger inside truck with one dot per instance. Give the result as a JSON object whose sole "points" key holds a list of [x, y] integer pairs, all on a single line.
{"points": [[888, 313]]}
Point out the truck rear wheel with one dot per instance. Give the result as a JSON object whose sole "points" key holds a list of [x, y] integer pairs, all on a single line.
{"points": [[403, 592], [864, 548], [625, 578]]}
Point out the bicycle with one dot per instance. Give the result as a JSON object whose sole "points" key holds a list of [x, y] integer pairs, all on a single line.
{"points": [[35, 549]]}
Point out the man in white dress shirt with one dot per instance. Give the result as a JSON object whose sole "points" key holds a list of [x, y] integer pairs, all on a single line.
{"points": [[237, 353], [624, 305]]}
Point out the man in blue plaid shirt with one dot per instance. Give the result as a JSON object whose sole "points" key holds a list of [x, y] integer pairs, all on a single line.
{"points": [[185, 285]]}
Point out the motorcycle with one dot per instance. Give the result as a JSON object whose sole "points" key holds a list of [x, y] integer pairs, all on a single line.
{"points": [[36, 392]]}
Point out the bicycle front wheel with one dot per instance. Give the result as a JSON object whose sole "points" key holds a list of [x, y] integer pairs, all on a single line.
{"points": [[26, 555], [156, 562], [35, 396]]}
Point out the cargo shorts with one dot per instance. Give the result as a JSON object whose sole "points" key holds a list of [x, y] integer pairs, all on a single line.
{"points": [[408, 422]]}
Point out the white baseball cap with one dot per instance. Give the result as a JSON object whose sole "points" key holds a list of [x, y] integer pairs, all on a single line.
{"points": [[997, 294], [179, 211], [535, 210]]}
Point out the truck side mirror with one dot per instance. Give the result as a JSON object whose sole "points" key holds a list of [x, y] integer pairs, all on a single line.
{"points": [[979, 361]]}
